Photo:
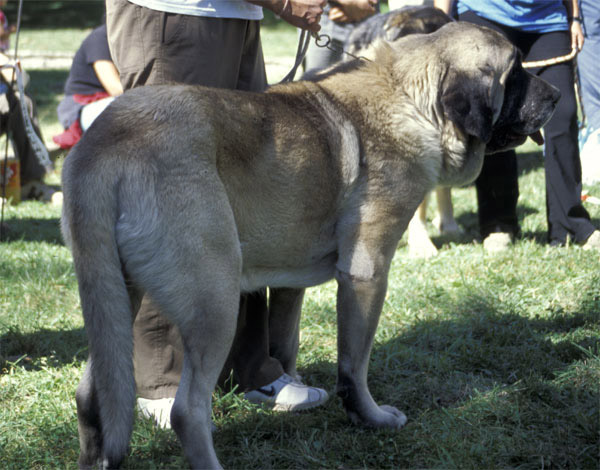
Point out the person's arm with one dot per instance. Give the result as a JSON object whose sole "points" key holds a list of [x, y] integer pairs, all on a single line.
{"points": [[7, 73], [351, 11], [108, 75], [574, 14], [444, 5], [304, 14]]}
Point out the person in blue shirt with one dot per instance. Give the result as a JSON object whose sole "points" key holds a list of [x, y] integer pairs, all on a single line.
{"points": [[541, 30], [589, 80]]}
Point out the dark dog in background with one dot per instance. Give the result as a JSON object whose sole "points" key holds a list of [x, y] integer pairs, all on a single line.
{"points": [[395, 24]]}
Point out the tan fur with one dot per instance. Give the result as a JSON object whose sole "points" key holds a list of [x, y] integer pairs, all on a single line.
{"points": [[194, 195]]}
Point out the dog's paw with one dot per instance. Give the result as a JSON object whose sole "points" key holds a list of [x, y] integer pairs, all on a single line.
{"points": [[449, 228], [423, 248], [394, 416], [384, 416]]}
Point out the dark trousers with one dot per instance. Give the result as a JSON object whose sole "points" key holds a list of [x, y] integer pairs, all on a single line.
{"points": [[497, 186], [151, 47]]}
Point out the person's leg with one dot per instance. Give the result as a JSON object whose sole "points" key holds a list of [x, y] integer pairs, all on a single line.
{"points": [[190, 56], [497, 185], [285, 307], [589, 79], [497, 194], [183, 49], [587, 62], [158, 351], [565, 213], [249, 357], [255, 370]]}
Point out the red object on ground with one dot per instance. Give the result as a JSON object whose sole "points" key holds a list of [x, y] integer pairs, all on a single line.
{"points": [[69, 137]]}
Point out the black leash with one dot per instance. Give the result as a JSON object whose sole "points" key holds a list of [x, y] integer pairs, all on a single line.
{"points": [[321, 40]]}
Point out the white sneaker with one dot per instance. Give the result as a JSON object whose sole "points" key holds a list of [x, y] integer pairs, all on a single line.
{"points": [[159, 410], [497, 242], [287, 394], [593, 242]]}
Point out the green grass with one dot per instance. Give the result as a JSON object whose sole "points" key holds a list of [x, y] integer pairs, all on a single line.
{"points": [[51, 41], [494, 359]]}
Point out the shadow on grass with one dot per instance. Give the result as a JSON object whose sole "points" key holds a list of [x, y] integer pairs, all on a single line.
{"points": [[530, 161], [61, 347], [482, 373], [33, 229], [469, 222]]}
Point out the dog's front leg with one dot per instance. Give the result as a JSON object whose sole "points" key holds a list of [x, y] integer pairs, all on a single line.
{"points": [[359, 305]]}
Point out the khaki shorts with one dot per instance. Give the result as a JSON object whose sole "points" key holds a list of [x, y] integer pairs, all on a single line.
{"points": [[151, 47]]}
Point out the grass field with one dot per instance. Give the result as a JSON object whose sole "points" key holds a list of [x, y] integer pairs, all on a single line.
{"points": [[494, 359]]}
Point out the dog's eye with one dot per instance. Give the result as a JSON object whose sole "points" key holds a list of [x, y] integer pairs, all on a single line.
{"points": [[486, 69]]}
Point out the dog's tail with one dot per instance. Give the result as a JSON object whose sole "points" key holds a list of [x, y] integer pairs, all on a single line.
{"points": [[88, 223]]}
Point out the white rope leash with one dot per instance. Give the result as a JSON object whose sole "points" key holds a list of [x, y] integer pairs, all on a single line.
{"points": [[552, 61]]}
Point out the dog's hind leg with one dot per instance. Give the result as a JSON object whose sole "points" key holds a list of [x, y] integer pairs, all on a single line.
{"points": [[206, 341], [189, 262], [88, 420], [207, 324]]}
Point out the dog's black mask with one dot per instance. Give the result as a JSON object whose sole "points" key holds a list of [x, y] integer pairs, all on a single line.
{"points": [[529, 103]]}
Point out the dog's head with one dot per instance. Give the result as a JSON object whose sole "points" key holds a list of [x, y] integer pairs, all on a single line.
{"points": [[486, 92], [413, 20]]}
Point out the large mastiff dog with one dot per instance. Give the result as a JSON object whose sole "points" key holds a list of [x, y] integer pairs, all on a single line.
{"points": [[194, 194]]}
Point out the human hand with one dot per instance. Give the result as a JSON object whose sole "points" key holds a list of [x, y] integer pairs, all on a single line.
{"points": [[351, 11], [444, 5], [577, 38], [305, 14]]}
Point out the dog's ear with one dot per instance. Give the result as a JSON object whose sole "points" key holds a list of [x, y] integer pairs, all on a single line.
{"points": [[469, 103], [473, 101]]}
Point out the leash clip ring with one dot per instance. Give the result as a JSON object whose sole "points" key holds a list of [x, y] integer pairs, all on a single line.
{"points": [[322, 40]]}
